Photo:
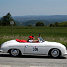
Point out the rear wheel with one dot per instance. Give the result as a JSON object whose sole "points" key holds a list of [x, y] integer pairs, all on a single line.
{"points": [[14, 52], [55, 53]]}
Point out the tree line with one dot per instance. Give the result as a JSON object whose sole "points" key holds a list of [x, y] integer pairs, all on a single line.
{"points": [[59, 24], [5, 21]]}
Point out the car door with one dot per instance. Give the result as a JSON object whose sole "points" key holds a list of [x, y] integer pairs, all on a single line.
{"points": [[28, 49], [35, 48], [39, 48]]}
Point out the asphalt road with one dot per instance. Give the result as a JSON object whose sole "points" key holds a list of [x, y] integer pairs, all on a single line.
{"points": [[31, 61]]}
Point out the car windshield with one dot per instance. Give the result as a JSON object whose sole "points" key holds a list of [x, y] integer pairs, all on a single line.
{"points": [[41, 39]]}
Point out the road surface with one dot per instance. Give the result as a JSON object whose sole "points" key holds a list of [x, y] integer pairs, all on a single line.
{"points": [[31, 61]]}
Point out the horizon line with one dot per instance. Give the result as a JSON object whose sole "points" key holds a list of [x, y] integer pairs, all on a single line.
{"points": [[36, 15]]}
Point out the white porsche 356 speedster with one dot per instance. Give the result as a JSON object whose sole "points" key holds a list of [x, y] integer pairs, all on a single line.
{"points": [[42, 47]]}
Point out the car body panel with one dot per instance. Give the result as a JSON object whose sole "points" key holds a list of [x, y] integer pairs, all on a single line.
{"points": [[41, 48]]}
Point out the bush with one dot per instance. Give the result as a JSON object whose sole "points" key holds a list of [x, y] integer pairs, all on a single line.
{"points": [[39, 24]]}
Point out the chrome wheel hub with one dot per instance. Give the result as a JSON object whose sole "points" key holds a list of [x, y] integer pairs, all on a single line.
{"points": [[55, 52], [14, 52]]}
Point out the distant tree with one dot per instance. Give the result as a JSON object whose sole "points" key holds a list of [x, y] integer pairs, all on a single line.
{"points": [[30, 25], [56, 24], [39, 24], [51, 25], [0, 22], [63, 24], [5, 20]]}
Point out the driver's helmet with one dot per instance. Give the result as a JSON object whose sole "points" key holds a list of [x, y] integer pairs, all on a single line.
{"points": [[31, 37]]}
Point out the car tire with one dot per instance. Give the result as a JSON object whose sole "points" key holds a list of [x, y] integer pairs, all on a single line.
{"points": [[15, 52], [55, 53]]}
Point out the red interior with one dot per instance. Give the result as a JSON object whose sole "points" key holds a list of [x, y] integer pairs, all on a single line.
{"points": [[21, 40], [24, 41]]}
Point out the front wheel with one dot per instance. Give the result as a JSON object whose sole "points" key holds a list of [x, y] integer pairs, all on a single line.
{"points": [[55, 53], [14, 52]]}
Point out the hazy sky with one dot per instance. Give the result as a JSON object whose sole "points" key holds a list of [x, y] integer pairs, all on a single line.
{"points": [[33, 7]]}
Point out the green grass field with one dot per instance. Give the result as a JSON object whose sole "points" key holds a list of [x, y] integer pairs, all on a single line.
{"points": [[57, 34]]}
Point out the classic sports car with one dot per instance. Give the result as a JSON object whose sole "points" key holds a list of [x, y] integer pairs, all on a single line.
{"points": [[42, 47]]}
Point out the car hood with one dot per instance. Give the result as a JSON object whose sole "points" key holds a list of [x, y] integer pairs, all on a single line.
{"points": [[52, 43]]}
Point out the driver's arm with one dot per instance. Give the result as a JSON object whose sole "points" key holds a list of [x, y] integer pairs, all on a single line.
{"points": [[36, 40]]}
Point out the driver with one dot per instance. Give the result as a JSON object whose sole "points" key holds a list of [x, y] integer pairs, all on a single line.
{"points": [[31, 39]]}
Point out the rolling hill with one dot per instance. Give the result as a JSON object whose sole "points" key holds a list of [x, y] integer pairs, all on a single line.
{"points": [[31, 20]]}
